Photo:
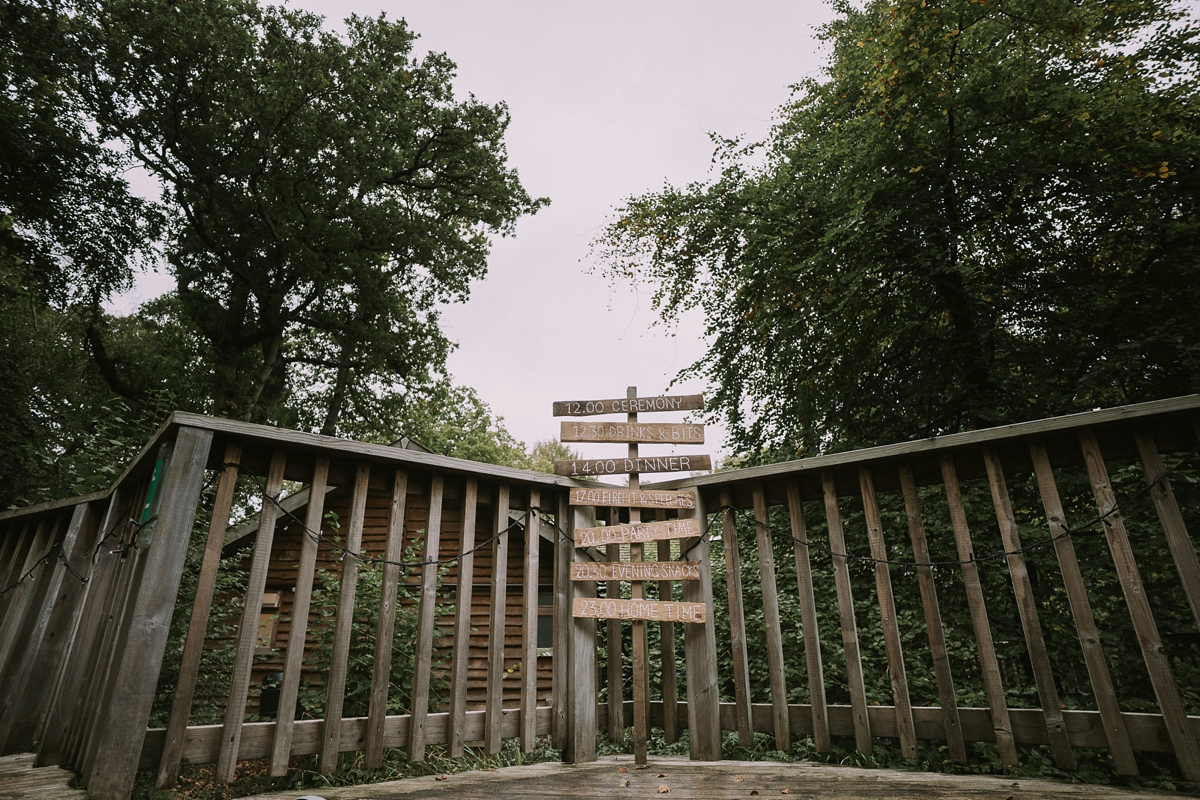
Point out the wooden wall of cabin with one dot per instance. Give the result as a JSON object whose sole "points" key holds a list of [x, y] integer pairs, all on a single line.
{"points": [[285, 556]]}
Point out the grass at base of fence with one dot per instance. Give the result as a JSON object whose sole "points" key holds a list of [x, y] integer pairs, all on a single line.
{"points": [[198, 783]]}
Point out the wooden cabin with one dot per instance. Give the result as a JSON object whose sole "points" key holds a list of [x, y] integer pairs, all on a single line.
{"points": [[279, 594]]}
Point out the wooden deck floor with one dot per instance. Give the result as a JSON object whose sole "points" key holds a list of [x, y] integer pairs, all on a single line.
{"points": [[715, 781], [19, 780]]}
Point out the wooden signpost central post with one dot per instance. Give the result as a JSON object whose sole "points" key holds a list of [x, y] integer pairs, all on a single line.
{"points": [[637, 609]]}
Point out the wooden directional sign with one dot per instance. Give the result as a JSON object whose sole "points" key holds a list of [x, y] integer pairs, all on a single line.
{"points": [[628, 405], [637, 532], [635, 571], [654, 610], [620, 466], [656, 433], [620, 497]]}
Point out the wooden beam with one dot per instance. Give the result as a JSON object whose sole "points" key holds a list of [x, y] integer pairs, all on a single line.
{"points": [[628, 405], [737, 620], [582, 689], [426, 616], [495, 678], [700, 653], [637, 532], [615, 651], [529, 626], [808, 617], [770, 600], [462, 622], [666, 635], [620, 433], [626, 498], [587, 467], [664, 571]]}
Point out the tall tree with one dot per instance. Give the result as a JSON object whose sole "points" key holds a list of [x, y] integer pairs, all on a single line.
{"points": [[330, 192], [986, 211]]}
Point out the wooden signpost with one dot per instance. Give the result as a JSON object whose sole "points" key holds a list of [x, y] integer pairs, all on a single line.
{"points": [[638, 609]]}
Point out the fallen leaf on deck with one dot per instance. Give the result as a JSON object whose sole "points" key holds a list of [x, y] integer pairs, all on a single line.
{"points": [[662, 775], [738, 779], [783, 791], [664, 789], [623, 783], [754, 791], [440, 777], [622, 769]]}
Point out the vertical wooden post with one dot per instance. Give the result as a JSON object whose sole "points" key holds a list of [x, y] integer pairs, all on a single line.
{"points": [[193, 645], [666, 635], [1089, 636], [138, 663], [563, 552], [1165, 689], [335, 688], [533, 536], [1039, 657], [641, 687], [933, 619], [808, 617], [737, 620], [281, 746], [28, 590], [495, 678], [1169, 516], [424, 651], [386, 624], [841, 574], [992, 684], [770, 599], [700, 649], [462, 622], [581, 720], [615, 653], [239, 685], [10, 553]]}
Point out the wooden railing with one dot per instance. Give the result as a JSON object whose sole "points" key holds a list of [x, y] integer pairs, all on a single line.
{"points": [[897, 514], [878, 543]]}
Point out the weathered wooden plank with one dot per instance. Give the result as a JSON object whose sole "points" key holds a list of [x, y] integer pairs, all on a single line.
{"points": [[628, 405], [1043, 673], [637, 532], [647, 610], [770, 600], [1161, 678], [560, 685], [587, 467], [887, 610], [845, 596], [256, 581], [624, 498], [193, 645], [17, 545], [700, 653], [335, 688], [1089, 635], [386, 627], [621, 432], [495, 679], [425, 620], [1179, 542], [614, 655], [808, 619], [114, 766], [933, 618], [992, 683], [301, 602], [582, 689], [666, 630], [530, 625], [737, 618], [26, 582], [462, 622], [637, 571]]}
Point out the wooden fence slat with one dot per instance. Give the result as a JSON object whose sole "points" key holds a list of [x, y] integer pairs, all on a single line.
{"points": [[1081, 610], [462, 622], [737, 619], [426, 615], [530, 627], [955, 745], [1187, 751], [700, 649], [386, 626], [666, 635], [887, 611], [16, 544], [615, 656], [1179, 542], [32, 681], [335, 688], [293, 663], [1039, 657], [992, 684], [495, 679], [22, 595], [560, 697], [770, 599], [138, 662], [841, 574], [193, 644], [256, 582], [808, 619], [82, 640], [581, 717]]}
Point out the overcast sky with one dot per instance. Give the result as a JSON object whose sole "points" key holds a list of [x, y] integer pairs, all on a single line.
{"points": [[608, 100]]}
